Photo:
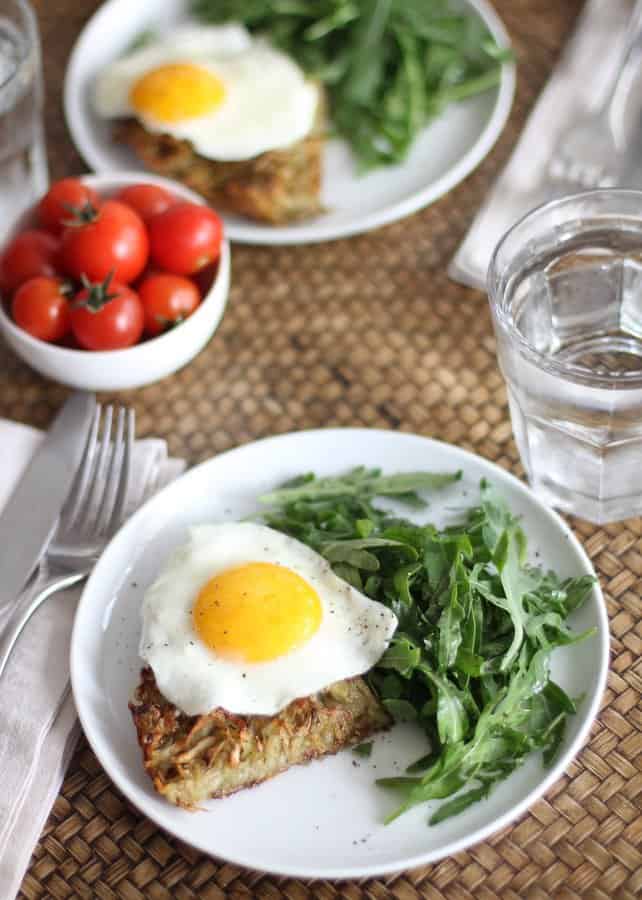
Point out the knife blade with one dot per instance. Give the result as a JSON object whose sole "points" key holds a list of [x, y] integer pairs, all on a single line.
{"points": [[29, 517]]}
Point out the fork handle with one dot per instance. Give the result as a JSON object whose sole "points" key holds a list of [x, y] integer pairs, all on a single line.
{"points": [[26, 605]]}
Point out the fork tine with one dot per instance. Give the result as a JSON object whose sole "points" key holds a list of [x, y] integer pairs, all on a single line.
{"points": [[112, 477], [87, 517], [78, 492], [125, 473]]}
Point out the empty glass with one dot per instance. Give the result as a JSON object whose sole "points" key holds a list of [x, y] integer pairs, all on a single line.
{"points": [[565, 287], [23, 166]]}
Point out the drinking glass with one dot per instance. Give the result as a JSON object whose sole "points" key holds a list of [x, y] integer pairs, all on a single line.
{"points": [[565, 290], [23, 165]]}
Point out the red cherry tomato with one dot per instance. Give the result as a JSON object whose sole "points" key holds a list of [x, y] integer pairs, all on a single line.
{"points": [[107, 316], [167, 300], [204, 279], [185, 238], [40, 306], [62, 199], [30, 254], [147, 199], [111, 240]]}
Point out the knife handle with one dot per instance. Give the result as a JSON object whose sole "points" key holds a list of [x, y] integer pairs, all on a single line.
{"points": [[27, 603]]}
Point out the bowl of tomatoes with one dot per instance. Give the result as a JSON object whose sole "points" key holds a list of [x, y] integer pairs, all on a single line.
{"points": [[114, 281]]}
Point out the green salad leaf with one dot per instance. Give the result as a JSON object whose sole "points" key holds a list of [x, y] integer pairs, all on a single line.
{"points": [[389, 66], [470, 660], [364, 749]]}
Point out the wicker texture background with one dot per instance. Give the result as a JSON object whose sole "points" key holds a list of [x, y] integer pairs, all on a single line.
{"points": [[367, 331]]}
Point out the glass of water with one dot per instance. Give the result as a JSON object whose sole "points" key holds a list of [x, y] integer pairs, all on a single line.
{"points": [[565, 288], [23, 162]]}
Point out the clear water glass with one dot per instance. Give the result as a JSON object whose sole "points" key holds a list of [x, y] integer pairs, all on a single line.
{"points": [[23, 162], [565, 289]]}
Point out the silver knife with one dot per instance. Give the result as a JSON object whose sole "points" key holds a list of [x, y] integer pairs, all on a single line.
{"points": [[29, 517]]}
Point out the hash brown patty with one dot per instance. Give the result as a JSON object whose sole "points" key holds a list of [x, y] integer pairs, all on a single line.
{"points": [[277, 187], [194, 758]]}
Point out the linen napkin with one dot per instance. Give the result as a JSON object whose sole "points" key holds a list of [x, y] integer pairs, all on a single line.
{"points": [[579, 84], [38, 724]]}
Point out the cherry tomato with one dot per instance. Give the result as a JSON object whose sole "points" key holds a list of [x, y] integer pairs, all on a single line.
{"points": [[204, 279], [185, 238], [41, 307], [29, 254], [167, 299], [107, 316], [62, 199], [147, 199], [111, 240]]}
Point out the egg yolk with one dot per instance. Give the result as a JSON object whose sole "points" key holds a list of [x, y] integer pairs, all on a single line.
{"points": [[175, 92], [256, 612]]}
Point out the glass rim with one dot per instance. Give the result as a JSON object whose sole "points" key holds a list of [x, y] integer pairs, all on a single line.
{"points": [[568, 370], [31, 35]]}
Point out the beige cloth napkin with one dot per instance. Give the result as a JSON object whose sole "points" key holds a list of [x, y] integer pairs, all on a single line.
{"points": [[578, 84], [38, 724]]}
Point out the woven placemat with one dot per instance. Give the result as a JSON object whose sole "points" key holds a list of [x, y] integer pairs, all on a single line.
{"points": [[369, 332]]}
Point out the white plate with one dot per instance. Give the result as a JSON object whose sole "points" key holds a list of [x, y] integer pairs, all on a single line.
{"points": [[442, 156], [324, 819]]}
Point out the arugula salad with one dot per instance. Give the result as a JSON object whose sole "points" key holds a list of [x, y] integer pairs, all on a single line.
{"points": [[388, 66], [470, 661]]}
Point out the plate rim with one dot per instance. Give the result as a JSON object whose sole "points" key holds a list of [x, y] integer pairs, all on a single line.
{"points": [[431, 855], [308, 232]]}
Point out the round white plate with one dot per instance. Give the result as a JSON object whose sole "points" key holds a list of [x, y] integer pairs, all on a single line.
{"points": [[323, 819], [442, 156]]}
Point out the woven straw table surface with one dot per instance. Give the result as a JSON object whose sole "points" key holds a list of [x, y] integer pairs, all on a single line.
{"points": [[367, 331]]}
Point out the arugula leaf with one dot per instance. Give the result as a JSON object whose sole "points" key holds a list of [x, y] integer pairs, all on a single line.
{"points": [[455, 610], [388, 67], [361, 482], [364, 749], [391, 687], [576, 590], [401, 710], [452, 719], [461, 802], [508, 556], [366, 68], [402, 655], [364, 527], [477, 624], [356, 552], [402, 580], [142, 39], [350, 574]]}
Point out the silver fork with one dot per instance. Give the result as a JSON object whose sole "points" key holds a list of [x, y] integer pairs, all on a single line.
{"points": [[589, 154], [91, 514]]}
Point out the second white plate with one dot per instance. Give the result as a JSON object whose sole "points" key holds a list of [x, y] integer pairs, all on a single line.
{"points": [[322, 820], [442, 156]]}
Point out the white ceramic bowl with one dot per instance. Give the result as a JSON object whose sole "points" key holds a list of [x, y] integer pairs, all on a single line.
{"points": [[114, 370]]}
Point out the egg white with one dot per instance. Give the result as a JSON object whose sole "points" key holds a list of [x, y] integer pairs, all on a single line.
{"points": [[353, 634], [268, 102]]}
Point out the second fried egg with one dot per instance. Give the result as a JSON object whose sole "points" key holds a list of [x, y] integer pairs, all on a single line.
{"points": [[248, 619], [231, 96]]}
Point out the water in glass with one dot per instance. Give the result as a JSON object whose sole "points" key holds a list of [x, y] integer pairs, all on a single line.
{"points": [[569, 329], [23, 167]]}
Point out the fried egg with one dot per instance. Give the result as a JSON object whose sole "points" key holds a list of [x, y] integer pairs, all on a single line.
{"points": [[248, 619], [230, 95]]}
